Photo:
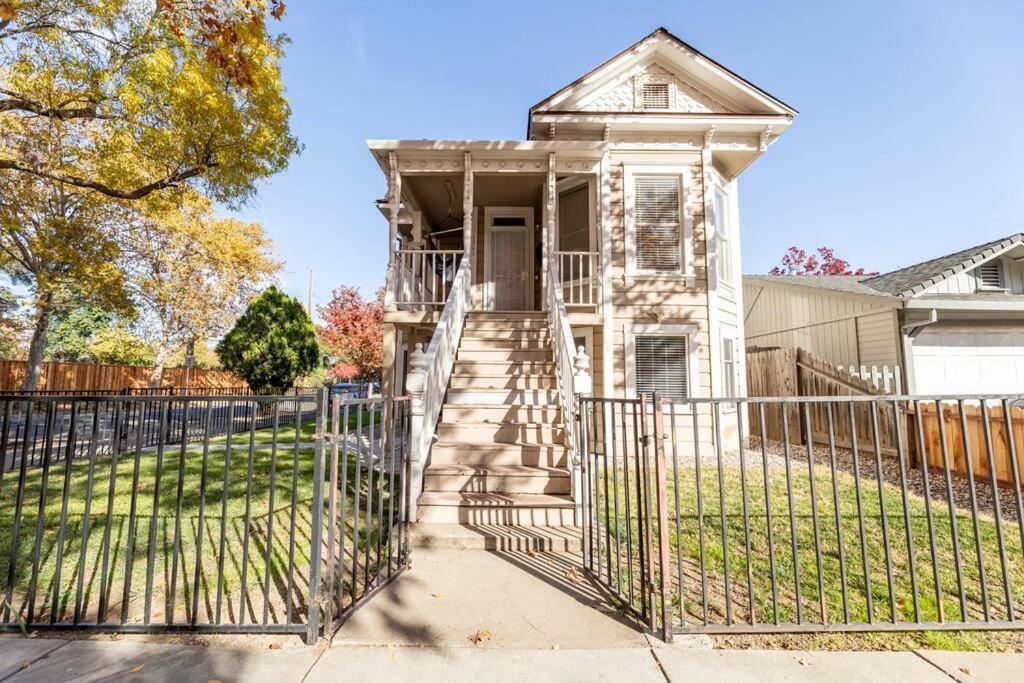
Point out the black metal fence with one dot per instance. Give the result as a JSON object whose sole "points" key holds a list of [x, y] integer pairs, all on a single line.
{"points": [[208, 522], [696, 526]]}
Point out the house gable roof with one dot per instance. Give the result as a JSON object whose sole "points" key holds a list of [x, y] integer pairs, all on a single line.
{"points": [[701, 85], [842, 284], [907, 282]]}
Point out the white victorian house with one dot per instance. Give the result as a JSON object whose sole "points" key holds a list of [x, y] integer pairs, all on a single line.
{"points": [[601, 253]]}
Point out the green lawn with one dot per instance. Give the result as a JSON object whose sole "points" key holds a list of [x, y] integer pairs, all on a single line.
{"points": [[770, 551], [307, 430], [174, 480]]}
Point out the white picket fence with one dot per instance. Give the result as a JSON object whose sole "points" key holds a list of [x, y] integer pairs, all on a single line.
{"points": [[890, 380]]}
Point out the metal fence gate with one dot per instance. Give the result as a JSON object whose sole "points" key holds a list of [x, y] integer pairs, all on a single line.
{"points": [[260, 514], [793, 515]]}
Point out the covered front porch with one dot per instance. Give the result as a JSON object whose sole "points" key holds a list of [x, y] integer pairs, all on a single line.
{"points": [[513, 207]]}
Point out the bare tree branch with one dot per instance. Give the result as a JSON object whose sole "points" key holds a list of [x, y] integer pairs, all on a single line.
{"points": [[171, 180]]}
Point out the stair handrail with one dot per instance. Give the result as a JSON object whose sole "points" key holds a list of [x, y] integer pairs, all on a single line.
{"points": [[428, 376], [572, 367]]}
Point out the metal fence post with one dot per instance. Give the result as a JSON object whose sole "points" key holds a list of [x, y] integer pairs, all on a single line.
{"points": [[313, 620], [663, 535]]}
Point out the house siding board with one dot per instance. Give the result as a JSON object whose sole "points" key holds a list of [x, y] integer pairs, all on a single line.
{"points": [[827, 324]]}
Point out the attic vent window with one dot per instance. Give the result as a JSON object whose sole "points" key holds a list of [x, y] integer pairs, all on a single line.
{"points": [[990, 275], [655, 95]]}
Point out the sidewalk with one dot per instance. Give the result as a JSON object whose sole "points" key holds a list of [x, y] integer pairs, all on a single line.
{"points": [[94, 660], [534, 616]]}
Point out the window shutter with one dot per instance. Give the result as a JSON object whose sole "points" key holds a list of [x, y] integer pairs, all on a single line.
{"points": [[655, 95], [662, 365], [656, 207], [990, 275]]}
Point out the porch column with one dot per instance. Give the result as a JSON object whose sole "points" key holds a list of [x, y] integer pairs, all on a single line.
{"points": [[607, 318], [467, 218], [394, 206], [550, 223]]}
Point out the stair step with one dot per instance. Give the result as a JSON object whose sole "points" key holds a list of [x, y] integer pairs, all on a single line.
{"points": [[506, 315], [471, 453], [496, 479], [499, 397], [500, 432], [466, 368], [522, 509], [502, 382], [544, 414], [486, 344], [473, 325], [507, 333], [567, 539], [499, 355]]}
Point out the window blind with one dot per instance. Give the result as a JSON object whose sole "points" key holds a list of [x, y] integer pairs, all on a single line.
{"points": [[656, 208], [662, 365]]}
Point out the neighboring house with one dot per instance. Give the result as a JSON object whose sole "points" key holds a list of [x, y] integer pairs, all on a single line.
{"points": [[612, 227], [955, 324]]}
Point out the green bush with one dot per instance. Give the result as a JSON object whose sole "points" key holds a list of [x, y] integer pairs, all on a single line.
{"points": [[271, 344]]}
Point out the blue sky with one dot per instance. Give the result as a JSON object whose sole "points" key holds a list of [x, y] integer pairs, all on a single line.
{"points": [[907, 145]]}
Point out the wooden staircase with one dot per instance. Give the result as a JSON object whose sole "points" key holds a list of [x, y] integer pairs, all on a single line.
{"points": [[499, 458]]}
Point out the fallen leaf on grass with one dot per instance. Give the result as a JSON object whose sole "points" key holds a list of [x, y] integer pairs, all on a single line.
{"points": [[137, 669], [901, 603], [481, 636], [439, 595], [571, 574]]}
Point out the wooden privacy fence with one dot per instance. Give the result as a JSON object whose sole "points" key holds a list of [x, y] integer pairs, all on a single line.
{"points": [[796, 372], [89, 376], [967, 457]]}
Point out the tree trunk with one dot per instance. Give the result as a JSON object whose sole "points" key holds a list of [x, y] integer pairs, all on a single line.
{"points": [[156, 377], [37, 347]]}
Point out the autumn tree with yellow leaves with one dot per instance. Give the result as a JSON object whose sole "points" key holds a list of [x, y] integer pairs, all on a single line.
{"points": [[191, 273], [114, 115]]}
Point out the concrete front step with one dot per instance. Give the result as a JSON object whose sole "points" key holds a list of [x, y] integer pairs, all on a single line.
{"points": [[507, 315], [496, 479], [508, 333], [549, 414], [503, 382], [498, 397], [500, 432], [501, 355], [559, 539], [471, 453], [501, 509]]}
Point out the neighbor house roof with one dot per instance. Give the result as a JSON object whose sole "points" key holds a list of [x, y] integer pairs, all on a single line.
{"points": [[847, 284], [908, 281], [904, 282]]}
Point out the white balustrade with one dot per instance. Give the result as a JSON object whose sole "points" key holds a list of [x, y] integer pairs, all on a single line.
{"points": [[429, 371], [580, 277], [424, 277]]}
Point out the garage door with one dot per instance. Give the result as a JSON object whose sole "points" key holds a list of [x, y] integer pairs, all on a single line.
{"points": [[969, 360]]}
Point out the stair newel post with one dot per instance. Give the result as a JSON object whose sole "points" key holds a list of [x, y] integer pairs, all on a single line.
{"points": [[415, 384], [583, 387]]}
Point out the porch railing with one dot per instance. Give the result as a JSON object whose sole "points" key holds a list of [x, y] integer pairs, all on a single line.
{"points": [[571, 364], [429, 372], [580, 275], [424, 277]]}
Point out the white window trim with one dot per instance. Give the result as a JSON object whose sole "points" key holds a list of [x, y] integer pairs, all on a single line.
{"points": [[686, 221], [631, 332], [730, 335]]}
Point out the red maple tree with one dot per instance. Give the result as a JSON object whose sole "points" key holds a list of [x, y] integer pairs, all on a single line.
{"points": [[353, 331], [797, 261]]}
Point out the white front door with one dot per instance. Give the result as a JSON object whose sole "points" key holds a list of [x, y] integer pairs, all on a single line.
{"points": [[511, 261], [969, 360]]}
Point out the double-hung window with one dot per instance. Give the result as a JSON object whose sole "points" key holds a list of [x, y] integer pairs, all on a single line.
{"points": [[657, 227], [728, 367], [658, 359], [723, 247]]}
